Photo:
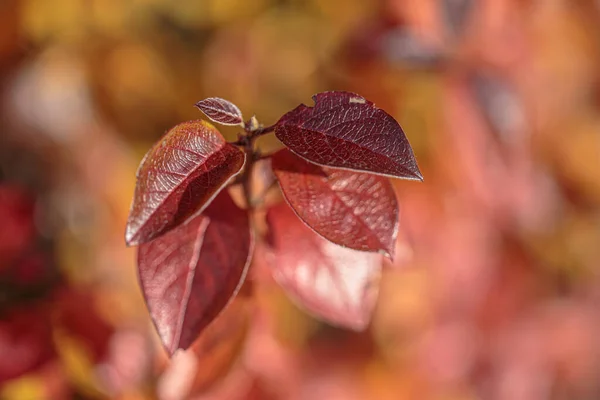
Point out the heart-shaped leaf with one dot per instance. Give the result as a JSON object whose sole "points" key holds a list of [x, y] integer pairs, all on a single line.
{"points": [[344, 130], [220, 110], [351, 209], [191, 273], [179, 177], [334, 283]]}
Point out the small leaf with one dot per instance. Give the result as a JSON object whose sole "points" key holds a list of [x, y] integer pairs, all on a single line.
{"points": [[351, 209], [344, 130], [336, 284], [179, 177], [221, 111], [190, 274]]}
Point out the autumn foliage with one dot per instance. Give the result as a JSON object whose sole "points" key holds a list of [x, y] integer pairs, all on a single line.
{"points": [[490, 288], [325, 245]]}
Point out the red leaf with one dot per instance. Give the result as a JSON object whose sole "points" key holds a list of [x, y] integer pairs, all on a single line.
{"points": [[17, 228], [344, 130], [25, 341], [220, 345], [221, 111], [336, 284], [351, 209], [190, 274], [77, 315], [179, 177]]}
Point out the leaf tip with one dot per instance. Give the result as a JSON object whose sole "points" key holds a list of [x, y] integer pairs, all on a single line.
{"points": [[173, 350], [419, 175], [387, 253], [174, 346], [415, 173], [358, 323], [130, 239]]}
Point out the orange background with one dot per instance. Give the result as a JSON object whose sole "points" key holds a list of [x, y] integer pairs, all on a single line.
{"points": [[495, 289]]}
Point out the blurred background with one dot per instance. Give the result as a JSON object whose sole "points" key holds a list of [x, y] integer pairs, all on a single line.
{"points": [[495, 289]]}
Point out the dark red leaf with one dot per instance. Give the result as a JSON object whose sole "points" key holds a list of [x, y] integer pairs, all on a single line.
{"points": [[344, 130], [190, 274], [25, 341], [351, 209], [179, 177], [336, 284], [221, 111], [17, 228], [221, 343]]}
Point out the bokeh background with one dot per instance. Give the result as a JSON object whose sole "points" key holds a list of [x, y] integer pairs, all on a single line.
{"points": [[495, 290]]}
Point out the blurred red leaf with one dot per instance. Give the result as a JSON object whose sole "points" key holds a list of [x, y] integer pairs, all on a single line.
{"points": [[351, 209], [31, 269], [336, 284], [179, 177], [221, 111], [77, 315], [344, 130], [190, 274], [25, 341], [17, 226], [220, 344]]}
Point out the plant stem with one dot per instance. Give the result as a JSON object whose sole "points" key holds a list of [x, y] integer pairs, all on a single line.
{"points": [[252, 130], [247, 174], [262, 131]]}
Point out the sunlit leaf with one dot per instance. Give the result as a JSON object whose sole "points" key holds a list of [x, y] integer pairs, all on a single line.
{"points": [[344, 130], [190, 274], [220, 110], [336, 284], [178, 177], [355, 210]]}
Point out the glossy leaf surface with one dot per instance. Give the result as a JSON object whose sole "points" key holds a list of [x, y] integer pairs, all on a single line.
{"points": [[344, 130], [334, 283], [190, 274], [354, 210], [178, 177], [221, 111]]}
